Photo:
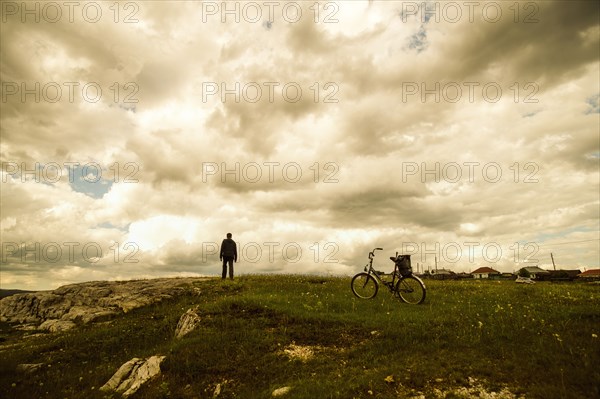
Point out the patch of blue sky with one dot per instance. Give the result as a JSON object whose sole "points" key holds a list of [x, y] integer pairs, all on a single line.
{"points": [[109, 225], [544, 237], [88, 180], [418, 41], [594, 103], [531, 114]]}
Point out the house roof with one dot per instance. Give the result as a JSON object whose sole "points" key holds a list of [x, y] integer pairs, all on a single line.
{"points": [[590, 273], [535, 269], [442, 271], [484, 270], [562, 271]]}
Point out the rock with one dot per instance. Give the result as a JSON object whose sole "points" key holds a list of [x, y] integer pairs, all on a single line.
{"points": [[219, 388], [217, 391], [91, 301], [281, 391], [29, 368], [187, 323], [26, 327], [86, 314], [56, 325], [133, 374]]}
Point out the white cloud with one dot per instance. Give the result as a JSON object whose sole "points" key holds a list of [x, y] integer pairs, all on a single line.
{"points": [[155, 232]]}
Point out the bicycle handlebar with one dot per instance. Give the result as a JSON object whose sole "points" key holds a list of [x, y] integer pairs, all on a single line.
{"points": [[372, 253]]}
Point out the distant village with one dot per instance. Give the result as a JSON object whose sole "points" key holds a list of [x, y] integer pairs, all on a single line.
{"points": [[525, 274]]}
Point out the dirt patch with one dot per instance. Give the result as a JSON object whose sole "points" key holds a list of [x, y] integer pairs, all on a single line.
{"points": [[475, 389], [300, 352]]}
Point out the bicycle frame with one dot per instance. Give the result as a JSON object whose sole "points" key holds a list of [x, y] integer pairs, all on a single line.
{"points": [[376, 274]]}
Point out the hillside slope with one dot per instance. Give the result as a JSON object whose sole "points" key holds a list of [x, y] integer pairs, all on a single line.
{"points": [[308, 337]]}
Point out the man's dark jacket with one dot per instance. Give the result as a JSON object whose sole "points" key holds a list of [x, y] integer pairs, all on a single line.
{"points": [[229, 249]]}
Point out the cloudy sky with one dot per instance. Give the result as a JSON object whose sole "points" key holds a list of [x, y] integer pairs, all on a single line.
{"points": [[135, 135]]}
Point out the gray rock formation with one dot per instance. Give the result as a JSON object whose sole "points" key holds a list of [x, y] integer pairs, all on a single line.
{"points": [[187, 323], [133, 374], [69, 305]]}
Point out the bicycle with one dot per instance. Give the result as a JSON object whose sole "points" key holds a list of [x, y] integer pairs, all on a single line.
{"points": [[408, 287]]}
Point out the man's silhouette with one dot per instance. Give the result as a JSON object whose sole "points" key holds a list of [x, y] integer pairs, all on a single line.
{"points": [[228, 254]]}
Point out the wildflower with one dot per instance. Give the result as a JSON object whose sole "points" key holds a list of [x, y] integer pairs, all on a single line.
{"points": [[480, 324], [557, 337]]}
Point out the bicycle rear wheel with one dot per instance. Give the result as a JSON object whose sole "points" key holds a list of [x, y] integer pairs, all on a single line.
{"points": [[411, 290], [364, 286]]}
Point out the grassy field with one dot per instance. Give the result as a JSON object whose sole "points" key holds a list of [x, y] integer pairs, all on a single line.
{"points": [[261, 333]]}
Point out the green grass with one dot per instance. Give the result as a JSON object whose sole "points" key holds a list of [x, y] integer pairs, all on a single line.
{"points": [[538, 341]]}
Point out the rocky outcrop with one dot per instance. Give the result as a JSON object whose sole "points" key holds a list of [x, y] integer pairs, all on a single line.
{"points": [[69, 305], [187, 323], [133, 374]]}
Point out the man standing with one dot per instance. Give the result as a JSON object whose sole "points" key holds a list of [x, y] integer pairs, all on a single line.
{"points": [[228, 254]]}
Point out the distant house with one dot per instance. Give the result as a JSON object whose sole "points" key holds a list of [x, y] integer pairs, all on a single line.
{"points": [[590, 275], [485, 272], [533, 272], [564, 275], [443, 274]]}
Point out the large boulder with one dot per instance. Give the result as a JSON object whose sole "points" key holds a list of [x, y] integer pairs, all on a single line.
{"points": [[91, 301]]}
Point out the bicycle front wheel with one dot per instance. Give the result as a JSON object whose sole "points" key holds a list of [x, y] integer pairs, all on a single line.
{"points": [[364, 286], [411, 290]]}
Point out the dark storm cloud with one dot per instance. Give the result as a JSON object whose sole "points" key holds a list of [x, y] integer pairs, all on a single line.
{"points": [[554, 48]]}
